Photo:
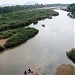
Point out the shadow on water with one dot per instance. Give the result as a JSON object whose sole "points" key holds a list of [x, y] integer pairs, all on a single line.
{"points": [[1, 51]]}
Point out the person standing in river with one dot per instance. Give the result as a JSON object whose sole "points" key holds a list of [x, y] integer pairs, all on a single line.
{"points": [[25, 73], [29, 70]]}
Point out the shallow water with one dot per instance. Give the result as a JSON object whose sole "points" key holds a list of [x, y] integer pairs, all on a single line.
{"points": [[46, 50]]}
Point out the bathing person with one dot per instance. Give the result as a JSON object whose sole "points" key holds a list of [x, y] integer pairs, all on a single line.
{"points": [[25, 73]]}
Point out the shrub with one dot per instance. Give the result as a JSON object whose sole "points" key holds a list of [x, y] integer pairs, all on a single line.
{"points": [[20, 37], [71, 55]]}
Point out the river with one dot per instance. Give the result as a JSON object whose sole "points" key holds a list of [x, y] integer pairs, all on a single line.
{"points": [[46, 51]]}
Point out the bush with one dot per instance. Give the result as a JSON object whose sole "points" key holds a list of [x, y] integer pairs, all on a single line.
{"points": [[71, 55], [20, 37]]}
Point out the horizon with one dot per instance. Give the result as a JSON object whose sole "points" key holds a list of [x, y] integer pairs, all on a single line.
{"points": [[23, 2]]}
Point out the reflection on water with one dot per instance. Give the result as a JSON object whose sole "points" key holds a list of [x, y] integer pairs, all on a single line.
{"points": [[46, 50]]}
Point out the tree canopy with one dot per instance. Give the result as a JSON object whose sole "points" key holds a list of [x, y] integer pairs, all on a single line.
{"points": [[71, 8]]}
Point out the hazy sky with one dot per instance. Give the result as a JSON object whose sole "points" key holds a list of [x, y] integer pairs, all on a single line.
{"points": [[38, 1]]}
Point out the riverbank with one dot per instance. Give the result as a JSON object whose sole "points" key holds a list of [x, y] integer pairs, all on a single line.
{"points": [[71, 10], [3, 41], [65, 69], [17, 38], [71, 55], [69, 13]]}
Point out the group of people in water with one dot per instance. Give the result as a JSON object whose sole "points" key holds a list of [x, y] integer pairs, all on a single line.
{"points": [[29, 71]]}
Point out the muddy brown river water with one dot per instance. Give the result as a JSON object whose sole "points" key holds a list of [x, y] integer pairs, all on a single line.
{"points": [[47, 50]]}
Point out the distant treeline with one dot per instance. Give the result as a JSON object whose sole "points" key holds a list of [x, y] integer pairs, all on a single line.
{"points": [[71, 8], [53, 5], [18, 7], [7, 9]]}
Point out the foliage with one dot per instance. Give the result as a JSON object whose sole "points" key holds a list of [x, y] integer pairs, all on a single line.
{"points": [[71, 55], [71, 8], [20, 37], [24, 18], [12, 25], [8, 33], [8, 9]]}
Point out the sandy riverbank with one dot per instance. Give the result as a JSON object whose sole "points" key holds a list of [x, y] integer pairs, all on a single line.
{"points": [[3, 41], [65, 69]]}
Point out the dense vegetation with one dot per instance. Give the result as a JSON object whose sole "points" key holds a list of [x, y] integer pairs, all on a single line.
{"points": [[8, 33], [71, 8], [71, 55], [7, 9], [20, 37], [24, 18], [12, 25], [17, 36]]}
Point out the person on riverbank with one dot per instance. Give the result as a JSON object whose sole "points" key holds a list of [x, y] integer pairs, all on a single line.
{"points": [[29, 71]]}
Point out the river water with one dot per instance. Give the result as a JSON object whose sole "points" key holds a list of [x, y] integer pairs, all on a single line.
{"points": [[46, 51]]}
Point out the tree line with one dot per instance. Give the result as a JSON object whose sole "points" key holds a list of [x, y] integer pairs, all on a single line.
{"points": [[7, 9]]}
